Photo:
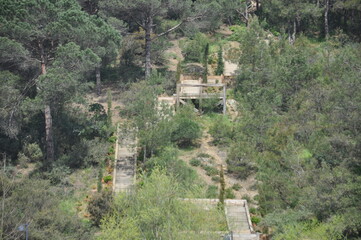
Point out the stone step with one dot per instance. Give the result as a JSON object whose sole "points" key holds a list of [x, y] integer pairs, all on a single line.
{"points": [[125, 163], [237, 236], [237, 218]]}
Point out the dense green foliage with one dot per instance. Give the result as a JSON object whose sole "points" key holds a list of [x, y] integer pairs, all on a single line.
{"points": [[157, 212], [297, 130], [157, 126], [39, 203]]}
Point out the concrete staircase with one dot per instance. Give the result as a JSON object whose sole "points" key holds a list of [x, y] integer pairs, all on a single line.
{"points": [[125, 162], [238, 220], [237, 216]]}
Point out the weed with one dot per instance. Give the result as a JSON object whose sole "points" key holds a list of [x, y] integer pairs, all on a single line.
{"points": [[236, 187], [195, 162]]}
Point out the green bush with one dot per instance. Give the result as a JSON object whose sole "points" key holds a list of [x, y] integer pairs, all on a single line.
{"points": [[216, 179], [210, 105], [193, 69], [255, 219], [99, 179], [99, 205], [23, 160], [229, 194], [193, 49], [246, 197], [168, 159], [33, 152], [212, 192], [58, 175], [111, 150], [107, 179], [253, 210], [210, 171], [112, 139], [236, 187], [195, 162], [186, 128], [241, 172], [36, 200], [221, 129]]}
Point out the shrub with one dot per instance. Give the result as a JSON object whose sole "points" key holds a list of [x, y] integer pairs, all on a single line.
{"points": [[221, 130], [246, 197], [212, 192], [58, 175], [107, 179], [210, 105], [241, 172], [236, 187], [255, 219], [33, 152], [253, 210], [216, 179], [168, 159], [194, 70], [193, 49], [85, 153], [112, 139], [111, 150], [23, 160], [99, 205], [229, 194], [210, 171], [186, 128], [99, 180], [195, 162]]}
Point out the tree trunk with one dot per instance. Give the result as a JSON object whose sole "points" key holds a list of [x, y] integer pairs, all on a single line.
{"points": [[327, 9], [49, 134], [3, 199], [98, 80], [145, 153], [48, 118], [229, 21], [246, 12], [148, 45], [292, 32]]}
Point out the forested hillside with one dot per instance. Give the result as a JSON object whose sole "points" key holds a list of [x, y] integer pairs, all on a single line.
{"points": [[78, 76]]}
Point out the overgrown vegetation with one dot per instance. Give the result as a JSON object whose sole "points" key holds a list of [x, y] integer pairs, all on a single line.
{"points": [[157, 211], [297, 130], [297, 133]]}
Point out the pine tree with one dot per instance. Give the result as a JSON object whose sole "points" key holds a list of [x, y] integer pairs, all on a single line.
{"points": [[109, 103], [179, 71], [220, 64], [205, 63], [222, 190], [52, 33]]}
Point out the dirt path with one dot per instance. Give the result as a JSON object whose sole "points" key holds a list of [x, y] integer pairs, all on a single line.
{"points": [[174, 55], [219, 157]]}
